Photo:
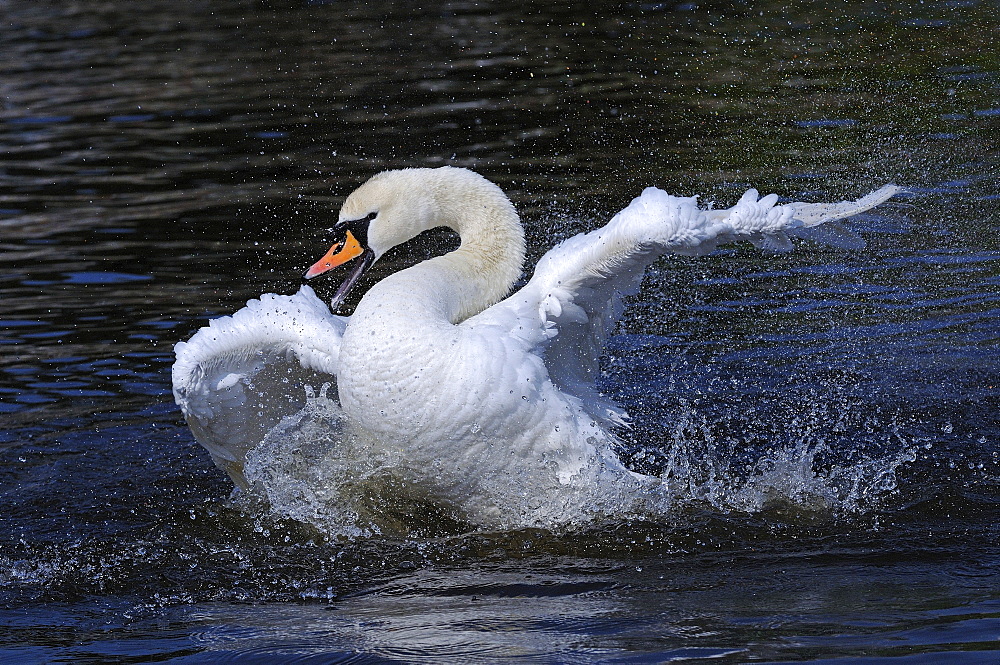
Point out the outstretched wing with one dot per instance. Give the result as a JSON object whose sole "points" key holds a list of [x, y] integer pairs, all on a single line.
{"points": [[573, 300], [239, 376]]}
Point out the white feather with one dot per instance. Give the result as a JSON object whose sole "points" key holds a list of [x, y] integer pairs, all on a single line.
{"points": [[480, 400]]}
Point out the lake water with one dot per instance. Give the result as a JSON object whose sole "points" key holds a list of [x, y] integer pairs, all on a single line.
{"points": [[833, 414]]}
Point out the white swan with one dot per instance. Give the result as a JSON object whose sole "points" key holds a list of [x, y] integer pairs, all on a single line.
{"points": [[488, 405]]}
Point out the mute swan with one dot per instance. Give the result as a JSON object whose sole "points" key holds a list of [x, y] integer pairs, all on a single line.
{"points": [[487, 403]]}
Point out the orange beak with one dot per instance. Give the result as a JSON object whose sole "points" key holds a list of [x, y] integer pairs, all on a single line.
{"points": [[339, 254]]}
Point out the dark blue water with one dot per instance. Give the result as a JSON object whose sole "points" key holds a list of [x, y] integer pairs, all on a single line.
{"points": [[833, 414]]}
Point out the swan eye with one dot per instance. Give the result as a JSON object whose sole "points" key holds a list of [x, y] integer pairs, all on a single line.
{"points": [[357, 227], [351, 224]]}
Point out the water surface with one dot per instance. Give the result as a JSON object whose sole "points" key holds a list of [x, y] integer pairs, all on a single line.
{"points": [[833, 414]]}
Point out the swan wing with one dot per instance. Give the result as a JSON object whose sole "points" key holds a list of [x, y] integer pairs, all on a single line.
{"points": [[240, 375], [574, 299]]}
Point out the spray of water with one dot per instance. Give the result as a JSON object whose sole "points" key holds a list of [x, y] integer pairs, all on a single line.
{"points": [[817, 467], [313, 468]]}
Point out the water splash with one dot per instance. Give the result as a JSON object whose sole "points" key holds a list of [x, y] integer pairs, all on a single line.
{"points": [[297, 467], [817, 469], [313, 468]]}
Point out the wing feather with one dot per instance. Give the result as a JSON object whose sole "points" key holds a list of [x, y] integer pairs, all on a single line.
{"points": [[240, 375], [574, 299]]}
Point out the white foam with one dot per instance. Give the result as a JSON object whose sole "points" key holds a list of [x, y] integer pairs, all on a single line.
{"points": [[314, 469]]}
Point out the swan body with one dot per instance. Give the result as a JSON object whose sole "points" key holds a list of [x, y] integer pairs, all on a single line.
{"points": [[485, 402]]}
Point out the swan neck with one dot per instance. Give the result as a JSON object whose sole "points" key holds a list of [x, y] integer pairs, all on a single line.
{"points": [[491, 255], [461, 283]]}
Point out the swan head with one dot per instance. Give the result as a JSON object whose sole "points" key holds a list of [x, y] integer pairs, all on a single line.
{"points": [[389, 209], [395, 206]]}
